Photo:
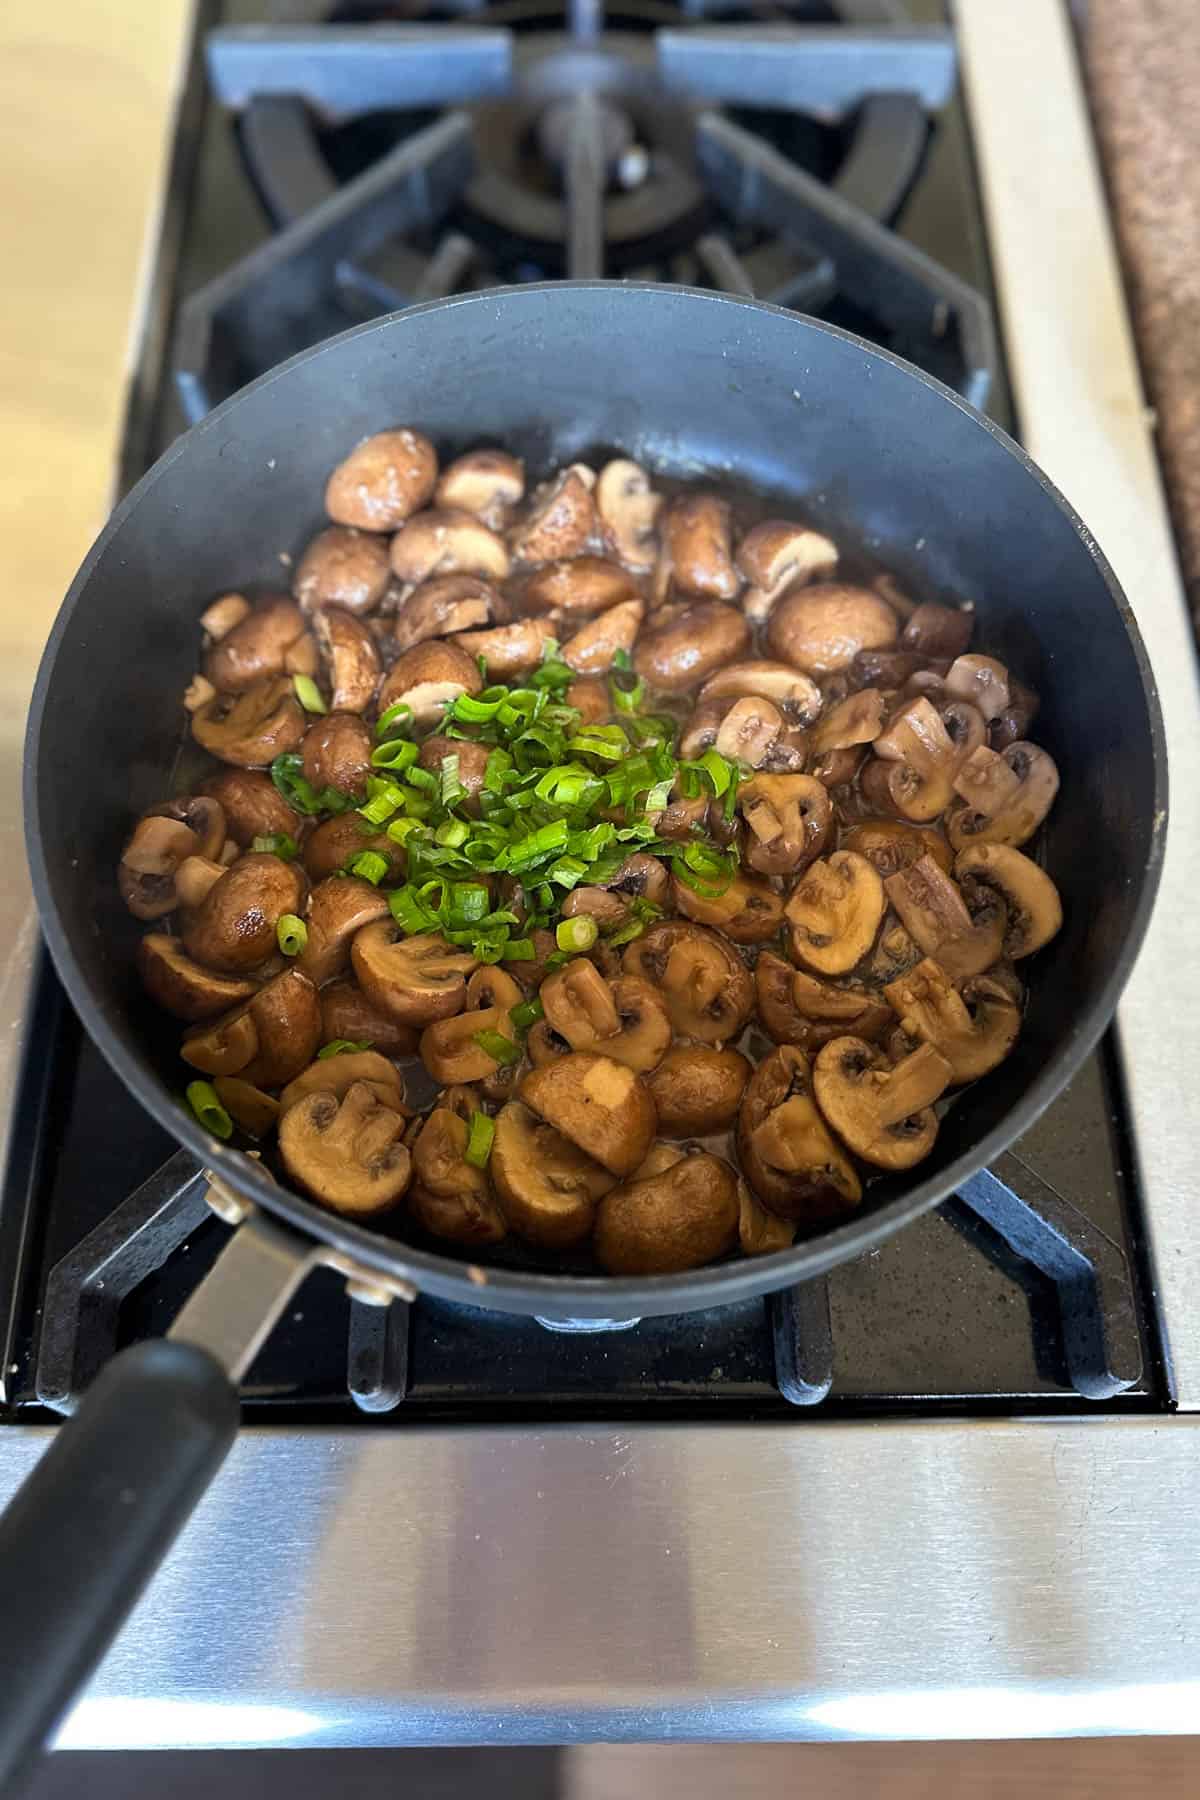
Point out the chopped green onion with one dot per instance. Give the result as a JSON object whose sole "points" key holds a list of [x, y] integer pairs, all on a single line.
{"points": [[399, 829], [276, 843], [576, 934], [342, 1047], [519, 950], [502, 1050], [409, 912], [395, 718], [453, 833], [202, 1098], [287, 773], [479, 1140], [396, 754], [471, 710], [627, 689], [707, 871], [527, 1014], [308, 694], [291, 934], [452, 790], [380, 808], [368, 865]]}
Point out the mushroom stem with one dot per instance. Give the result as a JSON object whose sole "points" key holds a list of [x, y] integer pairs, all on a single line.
{"points": [[195, 877], [985, 781], [929, 904], [912, 1084]]}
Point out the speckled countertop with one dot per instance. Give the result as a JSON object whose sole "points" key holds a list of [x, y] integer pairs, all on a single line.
{"points": [[1142, 59]]}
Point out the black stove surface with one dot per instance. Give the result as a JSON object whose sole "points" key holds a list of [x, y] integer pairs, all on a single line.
{"points": [[1029, 1289]]}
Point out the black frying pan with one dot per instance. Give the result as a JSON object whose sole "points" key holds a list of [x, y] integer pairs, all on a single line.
{"points": [[689, 383]]}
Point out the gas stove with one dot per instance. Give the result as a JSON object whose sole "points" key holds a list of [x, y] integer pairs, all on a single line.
{"points": [[329, 167]]}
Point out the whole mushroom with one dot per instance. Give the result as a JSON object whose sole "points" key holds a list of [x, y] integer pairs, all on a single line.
{"points": [[384, 480], [183, 987], [681, 1218], [697, 1089], [508, 650], [447, 542], [681, 646], [697, 531], [252, 805], [337, 754], [595, 646], [348, 1015], [445, 604], [579, 587], [489, 483], [233, 927], [777, 555], [822, 628], [342, 567], [798, 1008], [560, 521]]}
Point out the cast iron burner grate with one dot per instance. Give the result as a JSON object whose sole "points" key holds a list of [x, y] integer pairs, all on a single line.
{"points": [[401, 163]]}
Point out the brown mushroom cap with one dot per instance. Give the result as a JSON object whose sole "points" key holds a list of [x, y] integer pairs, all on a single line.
{"points": [[707, 987], [427, 678], [233, 928], [858, 719], [579, 587], [1021, 784], [797, 1008], [253, 728], [697, 1089], [822, 628], [590, 697], [942, 631], [257, 647], [255, 1112], [329, 847], [835, 912], [593, 648], [1031, 900], [793, 692], [447, 542], [267, 1040], [472, 764], [789, 820], [449, 1050], [252, 805], [508, 650], [450, 1198], [777, 554], [761, 1233], [348, 1152], [697, 532], [546, 1187], [347, 1013], [384, 479], [682, 1218], [488, 483], [749, 911], [337, 753], [683, 645], [598, 1104], [338, 908], [338, 1074], [183, 987], [884, 1114], [974, 1030], [351, 658], [417, 979], [785, 1149], [560, 520], [628, 509], [342, 567], [893, 844]]}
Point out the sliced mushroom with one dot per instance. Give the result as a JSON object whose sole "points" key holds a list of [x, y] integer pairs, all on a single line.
{"points": [[267, 1040], [304, 656], [697, 1089], [220, 618], [447, 542], [697, 531], [1012, 725], [256, 1113], [337, 753], [348, 1152], [795, 694], [329, 848], [777, 555], [598, 1104], [592, 649], [680, 1219], [974, 1030], [823, 628], [196, 877], [748, 731], [934, 630], [252, 805], [337, 910], [445, 604], [797, 1008], [1031, 900], [253, 728], [1018, 805], [891, 845], [450, 1198], [858, 719], [683, 645], [784, 1145], [921, 759], [256, 648], [884, 1114], [161, 842], [560, 521], [629, 510], [790, 820], [508, 650], [608, 909], [488, 483], [417, 979], [626, 1019], [894, 953], [450, 1052], [338, 1074], [835, 912], [198, 692], [981, 682], [644, 877], [935, 914], [428, 678], [760, 1233], [707, 988], [183, 987], [682, 819], [579, 587], [472, 764], [351, 659], [383, 481], [346, 1013], [546, 1187], [837, 768], [700, 732], [233, 927], [749, 911], [342, 567]]}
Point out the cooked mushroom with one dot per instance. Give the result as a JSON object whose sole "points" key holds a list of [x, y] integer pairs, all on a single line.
{"points": [[934, 630], [749, 910], [626, 1019], [472, 764], [257, 1113], [592, 649], [450, 1198], [680, 646], [892, 845], [222, 615], [777, 555], [1031, 900], [267, 1040], [560, 521], [760, 1233], [858, 719], [919, 758], [748, 731], [786, 1151], [579, 587], [835, 912], [796, 695], [884, 1114], [642, 876], [681, 819], [337, 753], [233, 927], [342, 567], [965, 727], [700, 732], [797, 1008], [252, 805], [837, 768], [196, 877], [822, 628], [447, 542], [936, 915], [590, 697], [256, 648], [697, 1089], [508, 650], [253, 728], [1012, 725], [198, 692], [427, 678], [161, 842], [183, 987], [347, 1014], [449, 1049], [981, 681], [790, 819], [598, 1104], [885, 669], [608, 909], [338, 1074], [351, 659], [697, 532], [680, 1219], [974, 1030], [329, 848], [488, 483], [417, 979], [1002, 805], [337, 909], [304, 656], [894, 953], [707, 987], [348, 1152], [546, 1187], [628, 509], [383, 481], [445, 604]]}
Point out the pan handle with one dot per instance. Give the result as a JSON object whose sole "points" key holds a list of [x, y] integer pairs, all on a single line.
{"points": [[89, 1527]]}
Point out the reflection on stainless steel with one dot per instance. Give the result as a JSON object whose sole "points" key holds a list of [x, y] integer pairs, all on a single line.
{"points": [[1074, 370], [814, 1581]]}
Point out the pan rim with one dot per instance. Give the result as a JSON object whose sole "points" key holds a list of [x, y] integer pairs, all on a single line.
{"points": [[585, 1296]]}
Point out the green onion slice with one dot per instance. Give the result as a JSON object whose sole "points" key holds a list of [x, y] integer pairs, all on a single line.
{"points": [[502, 1050], [480, 1133], [576, 934], [395, 718], [308, 694], [396, 754], [368, 865], [527, 1014], [202, 1098], [342, 1047], [276, 843], [291, 933]]}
